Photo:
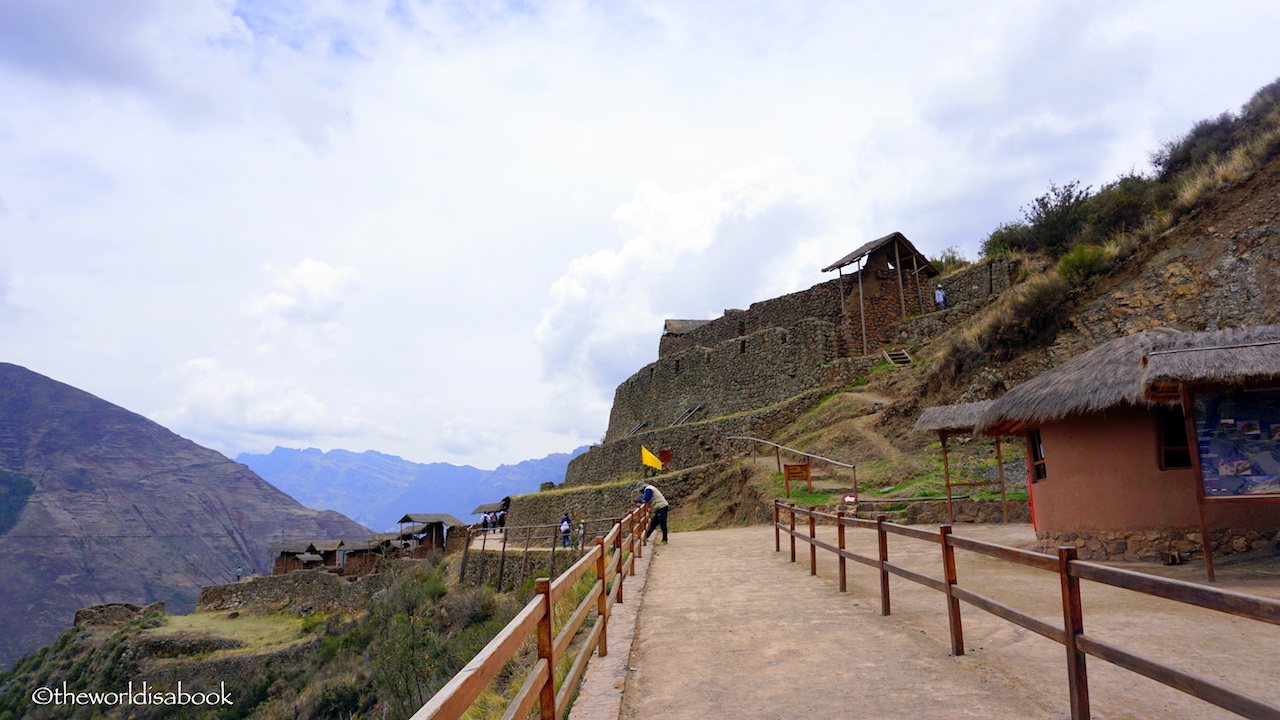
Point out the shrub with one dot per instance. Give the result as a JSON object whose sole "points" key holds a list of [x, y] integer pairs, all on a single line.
{"points": [[1206, 138], [1056, 217], [1120, 206], [949, 260], [1006, 239], [1082, 262]]}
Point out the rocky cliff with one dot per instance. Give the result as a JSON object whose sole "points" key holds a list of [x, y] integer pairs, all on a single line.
{"points": [[107, 506]]}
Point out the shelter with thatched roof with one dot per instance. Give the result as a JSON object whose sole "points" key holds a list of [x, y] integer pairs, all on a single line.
{"points": [[890, 281], [426, 532], [304, 555], [1109, 464], [961, 419]]}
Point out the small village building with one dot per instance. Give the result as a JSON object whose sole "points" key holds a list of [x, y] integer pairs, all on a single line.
{"points": [[1109, 464], [361, 558], [889, 281], [293, 555], [429, 532]]}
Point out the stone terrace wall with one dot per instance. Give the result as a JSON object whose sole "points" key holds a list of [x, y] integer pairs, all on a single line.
{"points": [[822, 302], [1155, 545], [740, 374], [968, 291], [690, 444], [611, 500], [301, 592]]}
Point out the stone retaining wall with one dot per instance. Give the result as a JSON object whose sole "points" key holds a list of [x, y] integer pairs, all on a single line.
{"points": [[115, 614], [690, 444], [301, 592], [1155, 545]]}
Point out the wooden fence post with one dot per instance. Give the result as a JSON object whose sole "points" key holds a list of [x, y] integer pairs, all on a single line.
{"points": [[602, 602], [1073, 621], [633, 545], [502, 562], [792, 509], [617, 549], [884, 558], [953, 603], [777, 531], [813, 535], [546, 650], [840, 543]]}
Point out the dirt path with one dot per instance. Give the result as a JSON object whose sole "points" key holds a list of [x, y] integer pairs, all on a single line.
{"points": [[731, 629], [865, 426]]}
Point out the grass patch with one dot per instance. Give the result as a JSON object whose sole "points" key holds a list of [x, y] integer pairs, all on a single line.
{"points": [[258, 633]]}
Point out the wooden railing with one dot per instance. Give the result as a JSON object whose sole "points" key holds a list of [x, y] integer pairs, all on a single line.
{"points": [[612, 559], [527, 540], [1070, 570]]}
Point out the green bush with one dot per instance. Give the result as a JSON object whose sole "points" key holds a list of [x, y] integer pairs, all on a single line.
{"points": [[1120, 206], [1005, 239], [949, 260], [1209, 137], [1082, 262]]}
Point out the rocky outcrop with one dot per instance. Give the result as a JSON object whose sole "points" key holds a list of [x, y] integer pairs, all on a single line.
{"points": [[122, 509], [115, 614]]}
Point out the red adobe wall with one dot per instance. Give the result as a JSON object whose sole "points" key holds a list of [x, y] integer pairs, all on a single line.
{"points": [[1103, 473]]}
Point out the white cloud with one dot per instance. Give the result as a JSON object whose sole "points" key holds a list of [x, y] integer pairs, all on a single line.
{"points": [[526, 190], [686, 254], [309, 293]]}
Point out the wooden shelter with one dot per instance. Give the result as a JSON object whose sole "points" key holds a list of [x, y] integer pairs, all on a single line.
{"points": [[427, 532], [951, 420], [1109, 461], [362, 558], [875, 261]]}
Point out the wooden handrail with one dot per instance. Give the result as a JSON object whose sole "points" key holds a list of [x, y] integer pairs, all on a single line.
{"points": [[540, 687], [1071, 571], [792, 450]]}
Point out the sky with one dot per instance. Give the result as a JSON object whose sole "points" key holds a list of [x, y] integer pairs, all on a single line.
{"points": [[448, 230]]}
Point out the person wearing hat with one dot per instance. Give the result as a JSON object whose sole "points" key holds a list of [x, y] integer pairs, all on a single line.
{"points": [[658, 504], [940, 297]]}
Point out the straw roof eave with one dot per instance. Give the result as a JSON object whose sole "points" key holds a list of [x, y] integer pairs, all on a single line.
{"points": [[1234, 357], [952, 419], [1107, 376]]}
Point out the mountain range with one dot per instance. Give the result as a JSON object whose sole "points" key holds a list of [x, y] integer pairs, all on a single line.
{"points": [[378, 489], [99, 504]]}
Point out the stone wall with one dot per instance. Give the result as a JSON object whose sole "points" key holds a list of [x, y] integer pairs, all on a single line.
{"points": [[690, 444], [1155, 545], [115, 614], [985, 510], [301, 592], [967, 291], [608, 500], [821, 302], [759, 369]]}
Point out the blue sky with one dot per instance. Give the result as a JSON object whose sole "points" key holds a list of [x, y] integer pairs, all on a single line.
{"points": [[448, 230]]}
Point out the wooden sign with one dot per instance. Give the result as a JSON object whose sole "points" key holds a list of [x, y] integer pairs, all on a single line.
{"points": [[796, 472]]}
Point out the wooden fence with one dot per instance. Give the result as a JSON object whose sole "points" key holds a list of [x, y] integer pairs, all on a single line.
{"points": [[612, 559], [1070, 570]]}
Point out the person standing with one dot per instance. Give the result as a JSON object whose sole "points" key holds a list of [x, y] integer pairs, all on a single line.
{"points": [[940, 297], [658, 504], [565, 526]]}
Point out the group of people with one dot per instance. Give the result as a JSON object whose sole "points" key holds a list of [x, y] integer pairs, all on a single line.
{"points": [[648, 494], [493, 520]]}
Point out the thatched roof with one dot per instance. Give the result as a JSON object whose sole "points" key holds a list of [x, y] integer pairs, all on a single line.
{"points": [[1106, 376], [310, 557], [291, 547], [326, 545], [428, 518], [1232, 357], [680, 327], [384, 537], [490, 507], [960, 418], [413, 530], [362, 546], [905, 248]]}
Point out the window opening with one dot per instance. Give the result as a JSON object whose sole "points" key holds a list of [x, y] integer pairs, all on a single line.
{"points": [[1175, 451], [1036, 450]]}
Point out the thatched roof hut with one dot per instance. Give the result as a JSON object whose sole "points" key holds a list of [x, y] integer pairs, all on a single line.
{"points": [[428, 518], [1105, 377], [1234, 357], [292, 547], [905, 248], [952, 419], [487, 508]]}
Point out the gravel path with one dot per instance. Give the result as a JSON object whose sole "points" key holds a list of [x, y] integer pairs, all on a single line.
{"points": [[730, 629]]}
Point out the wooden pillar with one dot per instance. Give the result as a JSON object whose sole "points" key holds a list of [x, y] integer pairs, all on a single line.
{"points": [[883, 542], [813, 547], [792, 511], [1188, 416], [840, 544], [897, 263], [915, 272], [602, 601], [862, 307], [1004, 504], [946, 475], [777, 530]]}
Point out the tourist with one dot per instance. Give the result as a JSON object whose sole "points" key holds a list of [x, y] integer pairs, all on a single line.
{"points": [[658, 504]]}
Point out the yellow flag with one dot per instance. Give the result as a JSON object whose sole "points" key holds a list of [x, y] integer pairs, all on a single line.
{"points": [[649, 458]]}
